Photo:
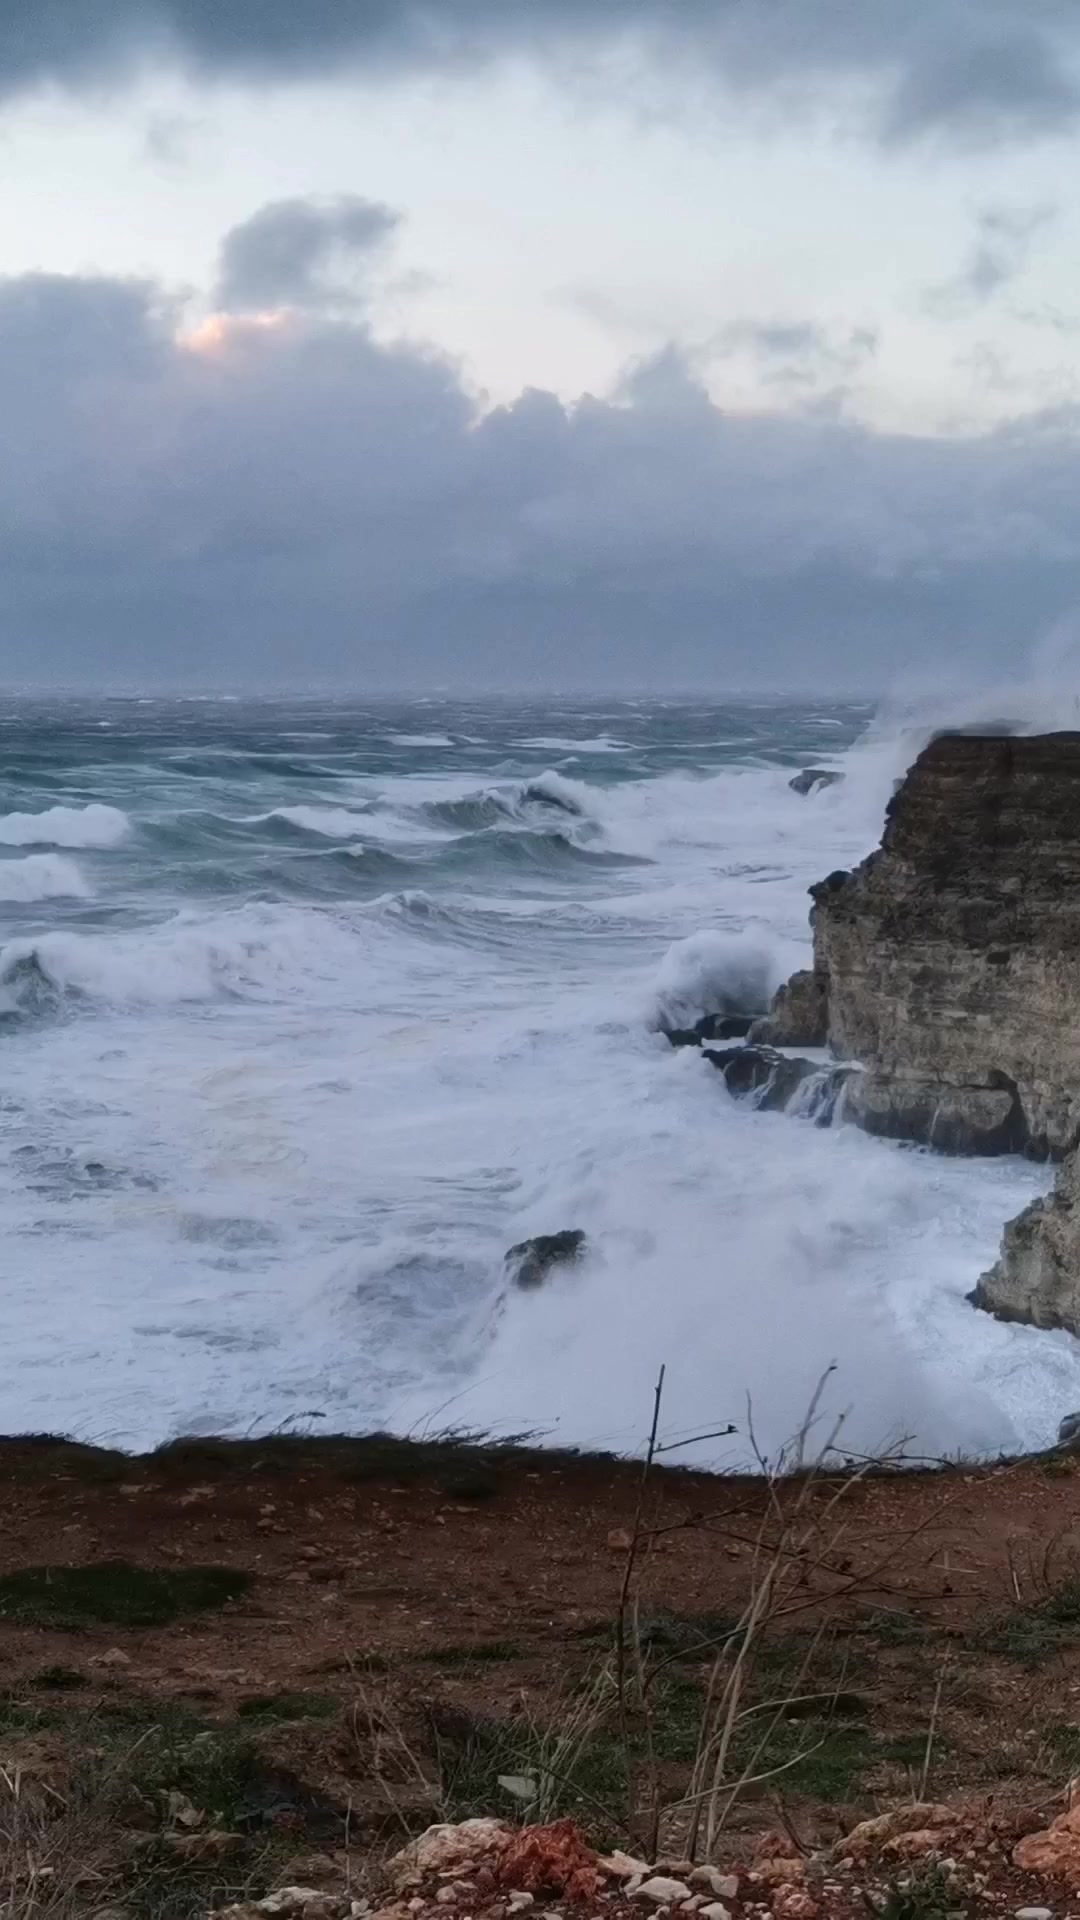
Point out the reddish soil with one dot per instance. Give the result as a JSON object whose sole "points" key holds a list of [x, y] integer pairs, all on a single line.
{"points": [[410, 1584]]}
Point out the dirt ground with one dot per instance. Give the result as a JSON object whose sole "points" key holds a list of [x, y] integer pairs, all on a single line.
{"points": [[328, 1644]]}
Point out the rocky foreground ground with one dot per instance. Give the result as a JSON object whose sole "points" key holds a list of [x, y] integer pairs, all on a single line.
{"points": [[251, 1675]]}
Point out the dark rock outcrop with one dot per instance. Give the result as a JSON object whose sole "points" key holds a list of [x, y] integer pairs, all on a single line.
{"points": [[948, 966], [950, 959], [812, 779], [799, 1015], [1036, 1277], [530, 1262], [776, 1081], [712, 1026]]}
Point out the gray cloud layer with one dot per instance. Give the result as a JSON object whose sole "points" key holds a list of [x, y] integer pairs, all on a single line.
{"points": [[305, 501], [975, 70], [1003, 240], [301, 253]]}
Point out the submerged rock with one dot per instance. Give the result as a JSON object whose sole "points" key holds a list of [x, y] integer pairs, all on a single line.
{"points": [[712, 1026], [776, 1081], [531, 1261], [812, 779]]}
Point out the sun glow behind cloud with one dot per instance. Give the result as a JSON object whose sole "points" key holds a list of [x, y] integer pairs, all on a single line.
{"points": [[219, 332]]}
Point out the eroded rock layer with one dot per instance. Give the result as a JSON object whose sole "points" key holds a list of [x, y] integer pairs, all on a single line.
{"points": [[1036, 1278], [949, 961]]}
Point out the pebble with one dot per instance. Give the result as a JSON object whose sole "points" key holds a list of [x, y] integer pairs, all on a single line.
{"points": [[715, 1911], [446, 1896], [624, 1866], [724, 1885], [521, 1902], [1034, 1913], [662, 1892]]}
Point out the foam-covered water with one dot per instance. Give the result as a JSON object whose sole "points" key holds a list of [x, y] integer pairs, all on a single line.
{"points": [[309, 1010]]}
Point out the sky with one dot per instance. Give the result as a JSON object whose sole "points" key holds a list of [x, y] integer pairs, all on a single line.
{"points": [[422, 344]]}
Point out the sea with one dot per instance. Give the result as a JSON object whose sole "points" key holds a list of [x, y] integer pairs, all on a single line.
{"points": [[310, 1008]]}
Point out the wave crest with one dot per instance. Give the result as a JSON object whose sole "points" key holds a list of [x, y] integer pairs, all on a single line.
{"points": [[93, 826], [41, 876], [714, 973]]}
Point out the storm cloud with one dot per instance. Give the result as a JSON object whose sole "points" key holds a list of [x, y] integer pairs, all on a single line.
{"points": [[977, 71], [301, 253], [284, 495]]}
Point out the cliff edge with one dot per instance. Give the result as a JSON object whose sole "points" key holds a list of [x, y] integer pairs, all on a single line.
{"points": [[947, 966], [948, 963]]}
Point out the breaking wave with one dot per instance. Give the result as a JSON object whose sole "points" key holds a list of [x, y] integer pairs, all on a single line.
{"points": [[716, 973], [271, 953], [41, 876], [378, 1010], [93, 826]]}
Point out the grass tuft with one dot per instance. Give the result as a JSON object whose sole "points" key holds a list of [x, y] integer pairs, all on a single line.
{"points": [[1033, 1634], [926, 1896], [114, 1593], [59, 1679], [287, 1706], [472, 1653]]}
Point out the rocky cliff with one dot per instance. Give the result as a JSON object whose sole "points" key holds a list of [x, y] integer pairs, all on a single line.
{"points": [[948, 963], [948, 967], [1036, 1278]]}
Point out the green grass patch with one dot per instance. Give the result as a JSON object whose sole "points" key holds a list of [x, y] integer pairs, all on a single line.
{"points": [[17, 1716], [824, 1759], [472, 1653], [157, 1886], [116, 1594], [1034, 1634], [288, 1706], [892, 1629], [668, 1635], [58, 1679], [55, 1456], [465, 1465], [925, 1896], [591, 1783]]}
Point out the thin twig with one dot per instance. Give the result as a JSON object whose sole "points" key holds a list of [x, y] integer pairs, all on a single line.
{"points": [[932, 1729], [620, 1626]]}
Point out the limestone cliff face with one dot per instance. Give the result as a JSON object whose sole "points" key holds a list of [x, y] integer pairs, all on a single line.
{"points": [[950, 959], [1036, 1278], [799, 1015], [947, 966]]}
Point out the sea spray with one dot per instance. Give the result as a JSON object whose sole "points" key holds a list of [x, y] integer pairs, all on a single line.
{"points": [[345, 1017]]}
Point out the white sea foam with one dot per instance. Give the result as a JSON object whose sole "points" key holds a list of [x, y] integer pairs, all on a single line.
{"points": [[715, 973], [258, 953], [555, 743], [41, 876], [92, 826], [321, 1126], [335, 823]]}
